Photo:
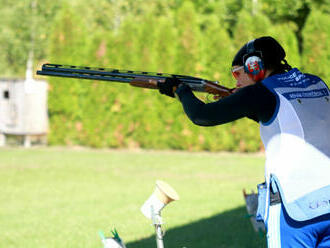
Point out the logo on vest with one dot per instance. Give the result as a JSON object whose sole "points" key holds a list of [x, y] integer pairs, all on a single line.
{"points": [[298, 76], [293, 80], [319, 204], [306, 94], [293, 76]]}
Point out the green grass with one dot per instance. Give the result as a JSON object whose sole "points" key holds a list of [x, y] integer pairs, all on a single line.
{"points": [[57, 197]]}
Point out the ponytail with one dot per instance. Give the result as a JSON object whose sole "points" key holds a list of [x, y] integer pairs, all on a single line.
{"points": [[285, 66]]}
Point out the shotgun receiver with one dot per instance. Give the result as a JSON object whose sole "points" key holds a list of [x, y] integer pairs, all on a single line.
{"points": [[135, 78]]}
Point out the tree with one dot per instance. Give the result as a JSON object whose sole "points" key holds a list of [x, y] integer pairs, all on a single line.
{"points": [[69, 39], [166, 42], [123, 51], [145, 40], [24, 27], [285, 34], [250, 26], [188, 55], [316, 52], [68, 45], [217, 51], [296, 11]]}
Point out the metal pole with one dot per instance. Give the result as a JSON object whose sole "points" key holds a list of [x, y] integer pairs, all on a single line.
{"points": [[159, 236], [157, 222]]}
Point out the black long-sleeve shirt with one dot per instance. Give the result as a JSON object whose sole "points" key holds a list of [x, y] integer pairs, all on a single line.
{"points": [[254, 101]]}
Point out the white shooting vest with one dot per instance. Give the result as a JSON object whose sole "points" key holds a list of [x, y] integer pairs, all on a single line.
{"points": [[297, 143]]}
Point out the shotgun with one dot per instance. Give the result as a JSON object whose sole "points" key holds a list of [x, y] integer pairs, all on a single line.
{"points": [[141, 79]]}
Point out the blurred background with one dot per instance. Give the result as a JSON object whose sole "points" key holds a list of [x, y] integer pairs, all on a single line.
{"points": [[63, 193], [197, 38]]}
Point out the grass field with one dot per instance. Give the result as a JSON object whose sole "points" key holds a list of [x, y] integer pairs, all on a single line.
{"points": [[58, 197]]}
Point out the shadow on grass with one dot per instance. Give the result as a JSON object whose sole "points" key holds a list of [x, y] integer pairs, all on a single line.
{"points": [[231, 229]]}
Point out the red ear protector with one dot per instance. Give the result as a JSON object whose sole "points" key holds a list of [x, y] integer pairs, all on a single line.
{"points": [[253, 63]]}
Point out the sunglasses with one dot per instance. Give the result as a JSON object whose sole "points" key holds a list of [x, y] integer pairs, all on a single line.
{"points": [[236, 72]]}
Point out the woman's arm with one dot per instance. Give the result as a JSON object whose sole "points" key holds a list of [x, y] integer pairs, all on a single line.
{"points": [[255, 102]]}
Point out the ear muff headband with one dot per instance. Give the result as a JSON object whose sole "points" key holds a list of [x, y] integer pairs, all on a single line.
{"points": [[250, 47], [253, 63]]}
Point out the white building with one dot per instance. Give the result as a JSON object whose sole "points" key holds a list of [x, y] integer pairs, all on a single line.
{"points": [[23, 108]]}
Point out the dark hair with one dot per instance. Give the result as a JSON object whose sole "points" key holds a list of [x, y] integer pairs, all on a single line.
{"points": [[273, 54]]}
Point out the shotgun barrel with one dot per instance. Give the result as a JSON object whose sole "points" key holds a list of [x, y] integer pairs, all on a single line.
{"points": [[135, 78]]}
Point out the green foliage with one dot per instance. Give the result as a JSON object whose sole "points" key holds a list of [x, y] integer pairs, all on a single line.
{"points": [[285, 34], [250, 26], [146, 47], [217, 51], [69, 37], [166, 44], [25, 26], [103, 115], [189, 37], [288, 8], [123, 47], [316, 54]]}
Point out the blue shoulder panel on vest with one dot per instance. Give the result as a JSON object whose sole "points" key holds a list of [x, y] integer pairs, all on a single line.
{"points": [[291, 79], [296, 80]]}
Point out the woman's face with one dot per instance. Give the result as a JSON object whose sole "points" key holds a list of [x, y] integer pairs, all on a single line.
{"points": [[242, 78]]}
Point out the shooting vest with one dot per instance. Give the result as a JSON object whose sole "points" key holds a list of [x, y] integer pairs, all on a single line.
{"points": [[297, 143]]}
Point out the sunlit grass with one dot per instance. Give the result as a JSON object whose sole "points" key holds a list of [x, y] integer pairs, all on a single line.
{"points": [[57, 197]]}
